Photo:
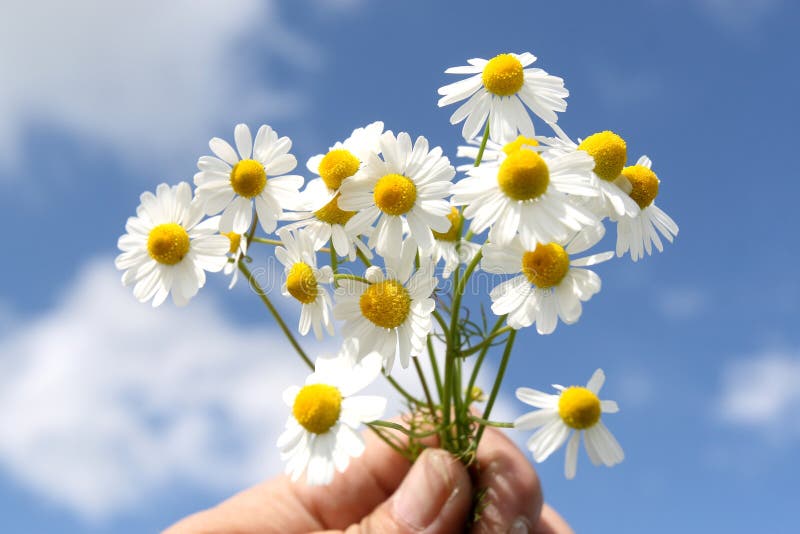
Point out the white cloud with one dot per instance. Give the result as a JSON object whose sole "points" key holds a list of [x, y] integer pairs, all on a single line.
{"points": [[148, 78], [621, 88], [763, 393], [682, 303], [740, 14]]}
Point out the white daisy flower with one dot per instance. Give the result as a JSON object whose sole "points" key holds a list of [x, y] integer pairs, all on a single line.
{"points": [[450, 247], [167, 249], [320, 435], [408, 184], [389, 314], [638, 234], [609, 152], [303, 281], [551, 285], [497, 90], [231, 183], [238, 248], [325, 221], [577, 409], [530, 194]]}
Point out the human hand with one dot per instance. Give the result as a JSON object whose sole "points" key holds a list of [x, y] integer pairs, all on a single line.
{"points": [[383, 492]]}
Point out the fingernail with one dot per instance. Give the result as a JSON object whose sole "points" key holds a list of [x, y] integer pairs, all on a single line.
{"points": [[520, 526], [426, 489]]}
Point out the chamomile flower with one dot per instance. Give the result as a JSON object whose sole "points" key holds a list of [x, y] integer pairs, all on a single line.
{"points": [[408, 184], [325, 221], [303, 281], [638, 234], [238, 248], [450, 247], [167, 248], [497, 90], [530, 194], [232, 183], [550, 284], [577, 410], [388, 313], [320, 435]]}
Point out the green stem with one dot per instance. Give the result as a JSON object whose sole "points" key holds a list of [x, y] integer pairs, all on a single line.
{"points": [[334, 265], [486, 342], [278, 243], [484, 422], [363, 257], [404, 430], [475, 370], [424, 383], [409, 397], [441, 321], [497, 381], [263, 295], [396, 447], [434, 364], [483, 144], [350, 277]]}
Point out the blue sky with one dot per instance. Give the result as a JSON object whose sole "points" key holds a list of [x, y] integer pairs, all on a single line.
{"points": [[118, 418]]}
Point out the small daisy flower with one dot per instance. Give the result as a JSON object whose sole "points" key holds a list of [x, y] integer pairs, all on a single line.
{"points": [[530, 194], [303, 281], [450, 247], [637, 234], [551, 285], [232, 183], [320, 435], [407, 185], [325, 221], [238, 248], [389, 313], [577, 410], [167, 249], [497, 90]]}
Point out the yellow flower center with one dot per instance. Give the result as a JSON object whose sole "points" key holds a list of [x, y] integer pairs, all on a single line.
{"points": [[518, 143], [301, 283], [236, 240], [454, 233], [546, 266], [248, 178], [331, 213], [523, 175], [503, 75], [395, 194], [644, 184], [168, 243], [609, 152], [579, 408], [337, 165], [386, 304], [317, 407]]}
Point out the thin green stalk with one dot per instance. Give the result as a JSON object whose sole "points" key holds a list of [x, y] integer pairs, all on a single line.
{"points": [[486, 342], [475, 370], [279, 243], [434, 364], [441, 321], [404, 430], [334, 265], [409, 397], [485, 422], [363, 257], [483, 144], [397, 448], [497, 381], [424, 383], [350, 277], [288, 333]]}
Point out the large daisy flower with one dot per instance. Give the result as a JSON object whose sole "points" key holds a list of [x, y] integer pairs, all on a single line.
{"points": [[550, 284], [497, 89], [325, 221], [637, 234], [303, 281], [530, 194], [167, 249], [388, 313], [238, 249], [450, 246], [408, 184], [231, 183], [320, 435], [577, 409]]}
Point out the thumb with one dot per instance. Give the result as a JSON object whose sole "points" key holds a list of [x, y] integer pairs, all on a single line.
{"points": [[435, 497]]}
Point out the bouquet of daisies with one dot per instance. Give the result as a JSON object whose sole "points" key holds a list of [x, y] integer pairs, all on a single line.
{"points": [[385, 241]]}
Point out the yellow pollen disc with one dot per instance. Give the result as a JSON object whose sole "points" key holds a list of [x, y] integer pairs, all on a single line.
{"points": [[609, 152], [168, 243], [236, 240], [644, 184], [337, 165], [301, 283], [331, 213], [248, 178], [317, 407], [523, 175], [579, 408], [454, 233], [518, 143], [395, 194], [503, 75], [546, 266], [386, 303]]}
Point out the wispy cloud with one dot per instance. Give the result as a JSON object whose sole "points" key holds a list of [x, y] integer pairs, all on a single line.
{"points": [[682, 303], [739, 14]]}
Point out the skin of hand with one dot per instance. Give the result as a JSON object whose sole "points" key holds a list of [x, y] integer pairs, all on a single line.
{"points": [[382, 492]]}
